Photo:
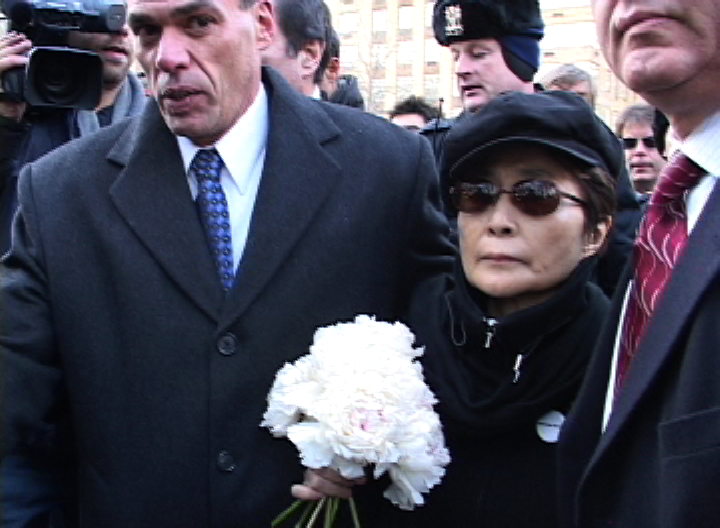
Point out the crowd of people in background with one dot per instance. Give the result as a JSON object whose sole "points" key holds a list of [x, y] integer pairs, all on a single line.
{"points": [[166, 252]]}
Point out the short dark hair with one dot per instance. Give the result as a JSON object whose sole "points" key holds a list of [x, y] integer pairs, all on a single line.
{"points": [[415, 105], [333, 46], [599, 189], [302, 22], [566, 76], [638, 114]]}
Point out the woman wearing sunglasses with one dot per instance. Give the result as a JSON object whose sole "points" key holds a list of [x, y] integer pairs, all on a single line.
{"points": [[508, 337]]}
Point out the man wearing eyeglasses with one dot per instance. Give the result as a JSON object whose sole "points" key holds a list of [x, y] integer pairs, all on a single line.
{"points": [[644, 159]]}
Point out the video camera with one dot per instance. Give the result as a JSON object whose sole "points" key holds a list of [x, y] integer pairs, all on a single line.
{"points": [[57, 75]]}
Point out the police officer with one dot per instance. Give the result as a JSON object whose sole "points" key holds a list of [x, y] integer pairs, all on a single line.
{"points": [[495, 47]]}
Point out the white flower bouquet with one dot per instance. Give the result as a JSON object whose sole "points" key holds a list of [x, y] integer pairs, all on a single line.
{"points": [[359, 399]]}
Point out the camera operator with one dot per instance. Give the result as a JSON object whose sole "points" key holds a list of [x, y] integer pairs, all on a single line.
{"points": [[32, 494], [26, 133]]}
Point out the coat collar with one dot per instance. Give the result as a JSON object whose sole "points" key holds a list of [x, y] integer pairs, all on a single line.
{"points": [[152, 195], [298, 176]]}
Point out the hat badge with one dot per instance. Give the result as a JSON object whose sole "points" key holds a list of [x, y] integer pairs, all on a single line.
{"points": [[453, 21]]}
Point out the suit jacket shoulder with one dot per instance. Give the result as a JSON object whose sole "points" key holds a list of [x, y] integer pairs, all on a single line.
{"points": [[80, 158]]}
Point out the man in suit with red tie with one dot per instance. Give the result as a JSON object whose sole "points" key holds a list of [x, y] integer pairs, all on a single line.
{"points": [[642, 445]]}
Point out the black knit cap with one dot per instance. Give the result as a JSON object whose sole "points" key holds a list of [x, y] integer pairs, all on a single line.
{"points": [[557, 120]]}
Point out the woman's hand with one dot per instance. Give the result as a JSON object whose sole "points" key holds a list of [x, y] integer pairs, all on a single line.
{"points": [[325, 482]]}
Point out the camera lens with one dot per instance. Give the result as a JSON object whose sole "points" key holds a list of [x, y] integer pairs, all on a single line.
{"points": [[57, 79], [64, 77], [57, 82]]}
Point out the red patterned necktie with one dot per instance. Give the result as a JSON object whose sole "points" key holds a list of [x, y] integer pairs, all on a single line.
{"points": [[660, 241]]}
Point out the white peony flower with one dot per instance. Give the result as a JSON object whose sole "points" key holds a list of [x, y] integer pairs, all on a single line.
{"points": [[359, 398]]}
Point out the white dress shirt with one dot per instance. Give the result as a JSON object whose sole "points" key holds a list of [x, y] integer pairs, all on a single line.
{"points": [[242, 150], [703, 147]]}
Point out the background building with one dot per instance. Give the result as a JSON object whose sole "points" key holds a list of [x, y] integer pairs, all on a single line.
{"points": [[389, 45]]}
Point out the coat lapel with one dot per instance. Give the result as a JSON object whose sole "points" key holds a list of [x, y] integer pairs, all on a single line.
{"points": [[153, 197], [693, 273], [297, 178]]}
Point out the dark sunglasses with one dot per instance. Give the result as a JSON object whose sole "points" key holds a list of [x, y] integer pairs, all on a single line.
{"points": [[531, 197], [631, 143]]}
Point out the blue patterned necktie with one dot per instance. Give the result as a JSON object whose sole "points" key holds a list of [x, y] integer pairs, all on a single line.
{"points": [[214, 214]]}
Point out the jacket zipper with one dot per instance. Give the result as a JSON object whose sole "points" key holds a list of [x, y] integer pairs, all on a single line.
{"points": [[516, 367], [528, 350], [490, 324], [490, 329]]}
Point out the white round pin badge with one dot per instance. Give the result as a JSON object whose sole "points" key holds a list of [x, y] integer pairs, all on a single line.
{"points": [[548, 426]]}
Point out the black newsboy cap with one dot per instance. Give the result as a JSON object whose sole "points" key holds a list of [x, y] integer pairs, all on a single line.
{"points": [[562, 121]]}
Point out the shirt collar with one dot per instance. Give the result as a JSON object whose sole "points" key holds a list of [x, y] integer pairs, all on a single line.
{"points": [[317, 94], [701, 145], [242, 146]]}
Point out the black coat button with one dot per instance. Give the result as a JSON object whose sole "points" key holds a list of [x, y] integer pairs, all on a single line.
{"points": [[227, 345], [225, 462]]}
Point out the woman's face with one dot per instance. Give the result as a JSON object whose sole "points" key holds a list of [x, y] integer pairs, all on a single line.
{"points": [[516, 259]]}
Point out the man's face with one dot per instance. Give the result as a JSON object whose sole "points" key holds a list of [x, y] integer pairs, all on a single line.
{"points": [[643, 159], [481, 72], [279, 55], [583, 89], [202, 60], [658, 46], [330, 77], [115, 49], [411, 122]]}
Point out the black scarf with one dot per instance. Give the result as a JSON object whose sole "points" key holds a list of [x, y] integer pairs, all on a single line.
{"points": [[483, 390]]}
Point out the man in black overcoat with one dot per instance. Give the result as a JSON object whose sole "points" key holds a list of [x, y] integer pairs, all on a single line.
{"points": [[121, 351], [641, 447]]}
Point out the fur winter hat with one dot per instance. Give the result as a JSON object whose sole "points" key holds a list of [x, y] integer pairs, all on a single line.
{"points": [[516, 24], [456, 20]]}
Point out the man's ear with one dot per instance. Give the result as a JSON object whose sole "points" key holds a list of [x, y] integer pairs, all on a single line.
{"points": [[311, 55], [596, 240], [265, 24]]}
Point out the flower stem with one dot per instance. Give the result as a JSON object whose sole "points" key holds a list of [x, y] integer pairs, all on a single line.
{"points": [[315, 514], [328, 512], [305, 515], [335, 506], [285, 514], [353, 510]]}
